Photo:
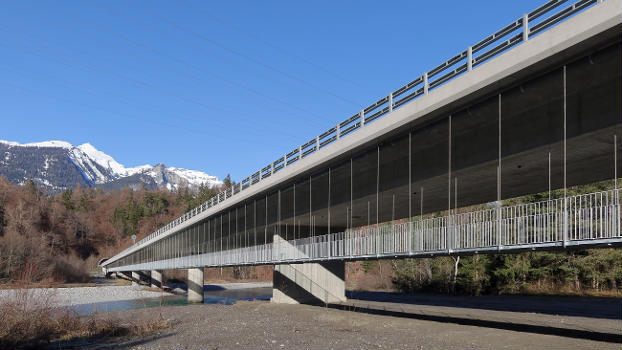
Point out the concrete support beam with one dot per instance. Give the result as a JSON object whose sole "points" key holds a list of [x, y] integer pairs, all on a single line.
{"points": [[156, 278], [308, 283], [195, 285]]}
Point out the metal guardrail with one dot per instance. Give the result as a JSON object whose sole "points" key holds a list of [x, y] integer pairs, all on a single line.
{"points": [[582, 220], [521, 30]]}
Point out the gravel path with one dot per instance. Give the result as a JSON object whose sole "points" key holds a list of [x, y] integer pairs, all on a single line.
{"points": [[81, 295]]}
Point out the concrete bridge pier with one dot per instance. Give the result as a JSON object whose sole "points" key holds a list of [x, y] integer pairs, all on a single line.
{"points": [[135, 278], [124, 275], [156, 278], [307, 283], [195, 285], [145, 277]]}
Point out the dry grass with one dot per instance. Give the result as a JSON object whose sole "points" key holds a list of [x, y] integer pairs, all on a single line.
{"points": [[31, 322]]}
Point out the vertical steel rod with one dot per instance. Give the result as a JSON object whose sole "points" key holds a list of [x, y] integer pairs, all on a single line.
{"points": [[410, 192], [615, 162], [549, 175], [377, 182], [565, 167], [498, 204], [449, 217]]}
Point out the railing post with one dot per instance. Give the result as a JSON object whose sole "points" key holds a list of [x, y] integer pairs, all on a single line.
{"points": [[337, 131], [565, 234], [317, 143], [499, 236], [425, 83], [377, 240], [470, 58], [525, 27], [449, 233], [362, 118], [390, 102], [299, 152], [410, 237]]}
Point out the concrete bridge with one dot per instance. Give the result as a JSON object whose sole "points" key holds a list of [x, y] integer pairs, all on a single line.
{"points": [[434, 168]]}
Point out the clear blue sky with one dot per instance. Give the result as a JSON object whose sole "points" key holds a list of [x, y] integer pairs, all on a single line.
{"points": [[221, 87]]}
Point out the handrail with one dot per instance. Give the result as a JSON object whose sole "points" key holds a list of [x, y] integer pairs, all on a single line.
{"points": [[454, 67]]}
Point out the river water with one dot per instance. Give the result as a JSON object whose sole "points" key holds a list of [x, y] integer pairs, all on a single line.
{"points": [[211, 296]]}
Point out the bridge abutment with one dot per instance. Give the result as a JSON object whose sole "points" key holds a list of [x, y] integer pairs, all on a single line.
{"points": [[307, 283], [195, 285]]}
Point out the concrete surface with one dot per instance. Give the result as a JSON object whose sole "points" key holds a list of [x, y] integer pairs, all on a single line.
{"points": [[195, 285], [156, 278], [307, 283]]}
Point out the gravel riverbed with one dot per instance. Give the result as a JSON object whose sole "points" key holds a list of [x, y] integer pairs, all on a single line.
{"points": [[263, 325], [82, 295]]}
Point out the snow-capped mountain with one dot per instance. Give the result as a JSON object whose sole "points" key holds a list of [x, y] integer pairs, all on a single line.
{"points": [[58, 165]]}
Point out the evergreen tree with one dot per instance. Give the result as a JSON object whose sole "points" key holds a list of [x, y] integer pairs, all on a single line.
{"points": [[67, 199], [3, 220]]}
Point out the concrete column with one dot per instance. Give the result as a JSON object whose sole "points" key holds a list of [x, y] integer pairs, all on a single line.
{"points": [[135, 278], [156, 278], [308, 283], [195, 285], [145, 277]]}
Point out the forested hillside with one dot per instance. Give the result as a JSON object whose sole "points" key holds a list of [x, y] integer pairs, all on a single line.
{"points": [[61, 237]]}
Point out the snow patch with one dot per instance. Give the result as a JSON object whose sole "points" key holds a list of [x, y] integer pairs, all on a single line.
{"points": [[196, 177], [137, 170], [101, 158], [52, 143]]}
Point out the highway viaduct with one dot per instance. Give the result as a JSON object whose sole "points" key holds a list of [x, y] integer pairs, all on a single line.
{"points": [[437, 167]]}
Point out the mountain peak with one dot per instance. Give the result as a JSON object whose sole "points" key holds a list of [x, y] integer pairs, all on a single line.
{"points": [[101, 158], [58, 165]]}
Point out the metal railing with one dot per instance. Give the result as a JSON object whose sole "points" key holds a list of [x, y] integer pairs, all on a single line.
{"points": [[530, 24], [587, 219]]}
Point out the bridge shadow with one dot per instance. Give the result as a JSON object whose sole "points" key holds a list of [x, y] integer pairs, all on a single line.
{"points": [[184, 286], [594, 307], [397, 305]]}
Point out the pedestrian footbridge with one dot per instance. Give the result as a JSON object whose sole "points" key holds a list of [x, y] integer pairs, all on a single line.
{"points": [[511, 145]]}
